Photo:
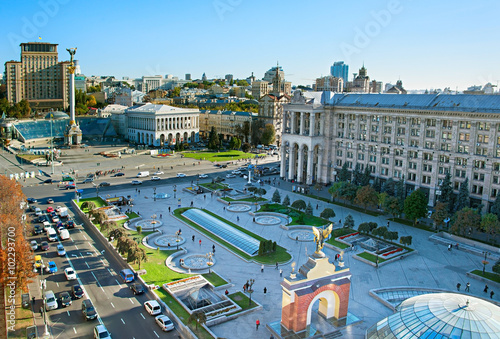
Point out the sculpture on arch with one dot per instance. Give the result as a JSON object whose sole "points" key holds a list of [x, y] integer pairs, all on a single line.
{"points": [[320, 235]]}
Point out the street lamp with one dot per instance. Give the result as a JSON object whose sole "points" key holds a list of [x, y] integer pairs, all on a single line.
{"points": [[51, 143], [154, 190], [250, 290], [485, 262], [175, 190], [154, 222], [43, 285]]}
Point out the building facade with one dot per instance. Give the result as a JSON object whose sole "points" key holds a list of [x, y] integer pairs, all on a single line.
{"points": [[227, 123], [162, 125], [340, 70], [418, 138], [329, 83], [38, 78]]}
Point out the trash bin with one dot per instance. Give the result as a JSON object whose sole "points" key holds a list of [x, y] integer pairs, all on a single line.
{"points": [[25, 300], [31, 332]]}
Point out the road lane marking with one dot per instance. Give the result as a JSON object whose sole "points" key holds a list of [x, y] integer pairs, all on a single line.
{"points": [[87, 265], [122, 321], [102, 261], [76, 247], [84, 237], [156, 334], [94, 276], [72, 240], [74, 255], [118, 283], [57, 284], [132, 301], [142, 316], [90, 253], [111, 272], [112, 305], [68, 313], [74, 329], [81, 255]]}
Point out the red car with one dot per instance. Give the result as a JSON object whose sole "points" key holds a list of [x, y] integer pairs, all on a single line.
{"points": [[50, 209]]}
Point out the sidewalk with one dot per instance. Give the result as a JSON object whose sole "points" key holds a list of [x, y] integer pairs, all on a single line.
{"points": [[36, 292]]}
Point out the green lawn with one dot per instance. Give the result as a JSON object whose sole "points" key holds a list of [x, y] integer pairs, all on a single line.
{"points": [[132, 215], [219, 156], [337, 244], [242, 301], [228, 199], [281, 255], [298, 217], [182, 314], [97, 201], [371, 257], [488, 275], [215, 186], [214, 279], [24, 319]]}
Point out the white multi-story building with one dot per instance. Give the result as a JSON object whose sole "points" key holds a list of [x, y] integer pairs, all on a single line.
{"points": [[418, 138], [161, 125]]}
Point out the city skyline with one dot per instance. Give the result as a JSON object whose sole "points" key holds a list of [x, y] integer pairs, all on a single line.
{"points": [[438, 45]]}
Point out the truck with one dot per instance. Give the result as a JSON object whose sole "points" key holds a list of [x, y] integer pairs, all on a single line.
{"points": [[63, 212], [64, 234]]}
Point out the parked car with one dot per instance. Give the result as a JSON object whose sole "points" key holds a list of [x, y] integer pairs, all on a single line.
{"points": [[181, 175], [65, 299], [136, 182], [70, 186], [31, 200], [52, 267], [164, 322], [41, 217], [50, 300], [119, 174], [229, 176], [158, 173], [48, 181], [60, 250], [45, 246], [202, 176], [103, 184], [100, 332], [70, 274], [34, 245], [50, 201], [55, 218], [152, 307], [155, 178], [77, 291], [236, 172], [137, 289], [87, 180], [70, 224], [37, 229], [88, 310], [38, 261], [50, 209]]}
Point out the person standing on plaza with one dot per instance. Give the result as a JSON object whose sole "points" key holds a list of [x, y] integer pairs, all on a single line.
{"points": [[257, 324], [467, 287], [200, 242], [276, 265], [492, 294], [262, 269], [485, 289], [192, 237], [265, 290], [281, 272], [458, 286]]}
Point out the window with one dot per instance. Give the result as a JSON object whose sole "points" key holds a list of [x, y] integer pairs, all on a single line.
{"points": [[397, 174], [444, 158], [375, 118], [430, 133], [352, 117], [415, 132], [444, 170], [373, 158], [340, 134], [385, 160], [478, 176], [372, 148], [484, 126], [398, 152], [388, 119], [374, 138], [447, 124], [339, 152], [401, 131], [361, 156], [481, 151], [350, 155], [429, 144], [494, 193], [362, 128], [445, 147], [463, 149], [398, 163], [414, 143], [412, 154], [479, 164], [426, 179], [387, 130], [464, 124], [427, 168], [482, 138], [375, 128], [415, 121], [496, 166], [372, 168], [412, 165], [402, 121], [428, 156], [384, 171], [400, 141], [341, 125], [349, 164], [361, 147], [339, 162], [387, 140], [385, 150], [430, 122], [412, 177], [477, 189], [351, 126], [464, 137], [460, 173]]}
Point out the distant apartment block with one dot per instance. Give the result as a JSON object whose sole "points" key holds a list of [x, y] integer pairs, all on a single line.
{"points": [[340, 70]]}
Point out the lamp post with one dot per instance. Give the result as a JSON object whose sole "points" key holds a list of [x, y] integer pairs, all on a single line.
{"points": [[485, 262], [154, 222], [43, 284], [51, 144], [175, 190], [250, 290], [154, 190]]}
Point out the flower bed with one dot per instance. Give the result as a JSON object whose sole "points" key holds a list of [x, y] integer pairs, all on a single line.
{"points": [[392, 252], [348, 235]]}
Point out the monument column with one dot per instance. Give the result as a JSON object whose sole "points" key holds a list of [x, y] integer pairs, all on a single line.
{"points": [[319, 166], [291, 163], [312, 125], [73, 134], [302, 122], [293, 123], [283, 161], [300, 169], [310, 155]]}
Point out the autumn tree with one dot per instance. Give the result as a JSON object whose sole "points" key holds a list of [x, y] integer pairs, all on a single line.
{"points": [[89, 206], [117, 233], [366, 197], [108, 225], [464, 219], [440, 214], [393, 205]]}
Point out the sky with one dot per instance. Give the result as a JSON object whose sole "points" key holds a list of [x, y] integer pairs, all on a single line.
{"points": [[427, 44]]}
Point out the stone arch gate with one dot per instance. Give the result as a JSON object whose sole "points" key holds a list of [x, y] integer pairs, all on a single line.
{"points": [[316, 280]]}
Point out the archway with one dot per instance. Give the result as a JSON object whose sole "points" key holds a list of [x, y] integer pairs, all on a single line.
{"points": [[170, 138], [193, 137], [328, 305], [162, 140], [185, 139]]}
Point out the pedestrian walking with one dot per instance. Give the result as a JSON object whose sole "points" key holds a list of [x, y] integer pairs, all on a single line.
{"points": [[467, 287], [139, 191], [192, 203], [224, 208], [388, 224], [238, 218], [161, 216], [281, 272], [257, 324], [192, 238], [213, 248], [227, 292], [317, 206], [199, 242], [458, 286], [168, 209], [340, 221], [449, 247], [244, 287], [262, 269], [485, 289], [135, 188], [276, 265], [265, 290], [204, 197], [492, 294]]}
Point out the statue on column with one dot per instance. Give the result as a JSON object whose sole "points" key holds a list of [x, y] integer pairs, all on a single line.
{"points": [[72, 52], [320, 235]]}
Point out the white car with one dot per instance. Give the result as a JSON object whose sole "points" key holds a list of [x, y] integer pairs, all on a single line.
{"points": [[136, 182], [164, 322], [100, 332], [202, 176], [181, 175], [152, 307], [60, 250], [69, 273], [229, 176], [34, 245], [158, 173], [236, 172], [155, 178]]}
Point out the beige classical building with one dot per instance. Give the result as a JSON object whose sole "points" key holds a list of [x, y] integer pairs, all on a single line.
{"points": [[227, 123], [413, 137], [38, 78]]}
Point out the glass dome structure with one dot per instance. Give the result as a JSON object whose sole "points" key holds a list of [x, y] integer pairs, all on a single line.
{"points": [[440, 315]]}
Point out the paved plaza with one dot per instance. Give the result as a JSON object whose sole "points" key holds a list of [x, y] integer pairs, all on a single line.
{"points": [[433, 267]]}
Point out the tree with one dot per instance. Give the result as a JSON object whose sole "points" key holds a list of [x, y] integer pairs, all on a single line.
{"points": [[465, 219], [309, 209], [446, 189], [400, 189], [348, 191], [380, 231], [389, 187], [99, 216], [344, 174], [137, 254], [256, 130], [91, 102], [175, 92], [495, 208], [286, 201], [364, 228], [415, 206], [198, 317], [463, 199], [365, 178], [406, 240], [334, 190], [242, 83], [246, 147], [393, 205], [117, 233], [366, 196], [440, 214], [89, 205], [327, 213], [234, 143], [213, 139], [260, 192], [349, 221], [268, 135], [391, 236], [356, 176], [299, 204], [276, 197], [108, 225], [490, 224]]}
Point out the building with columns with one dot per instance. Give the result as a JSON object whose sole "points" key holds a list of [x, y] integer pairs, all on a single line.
{"points": [[162, 125], [417, 138]]}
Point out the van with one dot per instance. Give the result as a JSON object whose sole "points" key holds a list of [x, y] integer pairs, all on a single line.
{"points": [[127, 275], [63, 212], [51, 234], [38, 211], [143, 174], [50, 300], [64, 234]]}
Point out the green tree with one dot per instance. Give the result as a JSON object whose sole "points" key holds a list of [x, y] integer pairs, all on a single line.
{"points": [[213, 139], [440, 214], [406, 240], [286, 201], [246, 147], [268, 135], [365, 178], [490, 224], [393, 206], [389, 187], [446, 189], [139, 229], [108, 225], [348, 191], [89, 206], [364, 228], [175, 92], [400, 189], [415, 206], [198, 317], [463, 199], [242, 83], [344, 174], [380, 232], [495, 208], [366, 197], [464, 219], [299, 204], [117, 233], [256, 130], [335, 189], [349, 221], [327, 213], [309, 209], [356, 175], [276, 197]]}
